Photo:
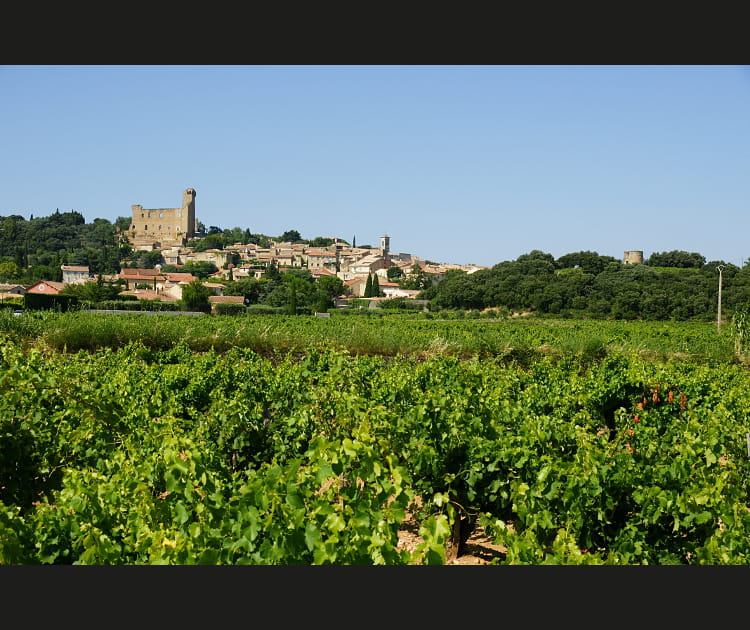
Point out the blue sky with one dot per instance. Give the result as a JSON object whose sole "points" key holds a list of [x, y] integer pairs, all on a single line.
{"points": [[458, 164]]}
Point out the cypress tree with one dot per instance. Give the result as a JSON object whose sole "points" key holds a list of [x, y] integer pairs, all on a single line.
{"points": [[375, 286], [368, 286], [293, 300]]}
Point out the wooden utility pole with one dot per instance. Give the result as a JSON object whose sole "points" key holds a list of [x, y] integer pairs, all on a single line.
{"points": [[718, 315]]}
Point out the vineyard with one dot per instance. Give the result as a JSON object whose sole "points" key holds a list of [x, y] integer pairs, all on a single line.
{"points": [[281, 440]]}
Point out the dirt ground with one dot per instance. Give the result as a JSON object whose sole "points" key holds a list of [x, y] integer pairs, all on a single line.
{"points": [[478, 549]]}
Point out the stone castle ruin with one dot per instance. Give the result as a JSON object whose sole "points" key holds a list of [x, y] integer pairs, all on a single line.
{"points": [[633, 257], [169, 227]]}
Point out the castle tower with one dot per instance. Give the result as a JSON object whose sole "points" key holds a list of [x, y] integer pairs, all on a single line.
{"points": [[189, 224], [633, 257]]}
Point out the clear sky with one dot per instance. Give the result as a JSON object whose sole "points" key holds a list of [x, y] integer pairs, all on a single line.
{"points": [[458, 164]]}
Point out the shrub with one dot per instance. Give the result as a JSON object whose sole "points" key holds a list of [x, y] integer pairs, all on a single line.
{"points": [[229, 308], [264, 309], [57, 302], [136, 305], [12, 303]]}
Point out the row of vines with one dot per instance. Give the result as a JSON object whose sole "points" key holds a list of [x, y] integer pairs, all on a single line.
{"points": [[391, 334], [137, 454]]}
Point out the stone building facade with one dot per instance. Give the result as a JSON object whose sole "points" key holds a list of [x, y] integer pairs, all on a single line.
{"points": [[169, 227]]}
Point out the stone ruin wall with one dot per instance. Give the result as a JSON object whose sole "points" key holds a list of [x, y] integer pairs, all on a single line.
{"points": [[167, 226]]}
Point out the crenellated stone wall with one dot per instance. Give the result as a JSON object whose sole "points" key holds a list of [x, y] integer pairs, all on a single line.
{"points": [[167, 226]]}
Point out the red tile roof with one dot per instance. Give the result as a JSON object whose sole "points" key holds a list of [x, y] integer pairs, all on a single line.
{"points": [[133, 271]]}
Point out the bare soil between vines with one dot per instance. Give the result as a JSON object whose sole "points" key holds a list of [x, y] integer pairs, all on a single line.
{"points": [[477, 550]]}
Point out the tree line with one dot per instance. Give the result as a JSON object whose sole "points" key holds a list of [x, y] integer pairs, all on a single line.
{"points": [[670, 285]]}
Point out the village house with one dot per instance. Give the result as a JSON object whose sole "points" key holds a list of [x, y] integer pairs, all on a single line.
{"points": [[435, 272], [287, 260], [72, 274], [172, 290], [319, 259], [264, 256], [254, 271], [232, 273], [150, 294], [367, 265], [171, 283], [356, 286], [392, 290], [217, 289], [175, 255], [216, 256], [246, 251], [237, 273], [12, 289], [178, 276], [134, 276], [46, 286], [322, 271]]}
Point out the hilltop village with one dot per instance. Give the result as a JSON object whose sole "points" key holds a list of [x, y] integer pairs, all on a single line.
{"points": [[164, 259], [169, 230]]}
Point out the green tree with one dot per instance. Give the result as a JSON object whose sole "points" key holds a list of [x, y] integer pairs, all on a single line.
{"points": [[233, 258], [290, 236], [272, 271], [590, 262], [416, 280], [460, 290], [279, 292], [376, 292], [143, 259], [368, 286], [292, 298], [210, 241], [327, 289], [10, 271], [200, 268], [250, 288], [93, 292], [320, 241], [195, 297], [394, 273], [676, 258], [122, 224]]}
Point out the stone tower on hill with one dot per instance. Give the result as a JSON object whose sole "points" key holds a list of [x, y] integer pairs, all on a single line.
{"points": [[169, 227], [633, 257]]}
